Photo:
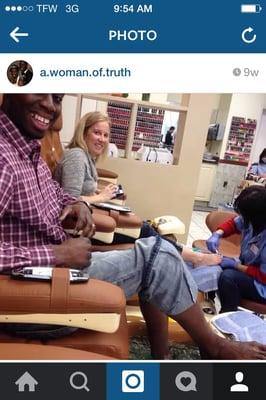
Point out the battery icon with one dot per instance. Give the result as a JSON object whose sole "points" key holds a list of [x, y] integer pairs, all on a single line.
{"points": [[251, 8]]}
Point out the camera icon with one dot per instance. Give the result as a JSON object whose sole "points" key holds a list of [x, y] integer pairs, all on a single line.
{"points": [[132, 381]]}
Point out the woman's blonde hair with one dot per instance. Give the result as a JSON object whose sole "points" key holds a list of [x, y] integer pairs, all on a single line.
{"points": [[86, 122]]}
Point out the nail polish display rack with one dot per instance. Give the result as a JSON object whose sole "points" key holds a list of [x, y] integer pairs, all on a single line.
{"points": [[240, 139], [148, 129]]}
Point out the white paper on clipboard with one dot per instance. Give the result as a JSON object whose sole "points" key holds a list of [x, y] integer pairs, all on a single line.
{"points": [[112, 206]]}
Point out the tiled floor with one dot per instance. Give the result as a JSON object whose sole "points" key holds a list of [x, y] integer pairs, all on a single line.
{"points": [[198, 228]]}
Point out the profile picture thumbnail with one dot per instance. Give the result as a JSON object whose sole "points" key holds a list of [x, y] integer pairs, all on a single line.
{"points": [[19, 73]]}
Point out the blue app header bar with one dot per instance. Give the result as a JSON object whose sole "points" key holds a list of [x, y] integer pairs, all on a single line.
{"points": [[136, 26]]}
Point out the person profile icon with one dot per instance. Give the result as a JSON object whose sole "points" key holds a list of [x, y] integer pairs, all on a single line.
{"points": [[19, 73], [239, 387]]}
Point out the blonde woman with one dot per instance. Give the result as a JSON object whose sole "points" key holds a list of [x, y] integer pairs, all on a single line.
{"points": [[76, 172]]}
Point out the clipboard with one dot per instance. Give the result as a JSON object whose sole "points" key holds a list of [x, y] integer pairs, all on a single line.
{"points": [[111, 206]]}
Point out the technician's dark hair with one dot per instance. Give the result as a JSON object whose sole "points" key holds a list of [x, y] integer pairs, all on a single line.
{"points": [[251, 205], [262, 154]]}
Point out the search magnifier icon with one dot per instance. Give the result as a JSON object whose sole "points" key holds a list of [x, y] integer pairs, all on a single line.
{"points": [[81, 382]]}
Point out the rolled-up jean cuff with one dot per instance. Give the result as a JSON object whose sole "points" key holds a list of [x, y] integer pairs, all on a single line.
{"points": [[149, 264]]}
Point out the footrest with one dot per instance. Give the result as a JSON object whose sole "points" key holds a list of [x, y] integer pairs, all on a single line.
{"points": [[169, 224], [100, 322]]}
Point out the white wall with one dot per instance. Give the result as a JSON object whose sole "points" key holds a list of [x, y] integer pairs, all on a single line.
{"points": [[158, 98], [260, 140], [69, 116]]}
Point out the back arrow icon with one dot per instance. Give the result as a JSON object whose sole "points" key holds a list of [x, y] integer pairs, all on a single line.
{"points": [[15, 34]]}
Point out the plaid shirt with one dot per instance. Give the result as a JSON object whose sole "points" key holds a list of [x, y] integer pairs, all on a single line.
{"points": [[30, 202]]}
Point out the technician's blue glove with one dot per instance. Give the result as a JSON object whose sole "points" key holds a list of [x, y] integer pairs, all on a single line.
{"points": [[213, 242], [228, 262]]}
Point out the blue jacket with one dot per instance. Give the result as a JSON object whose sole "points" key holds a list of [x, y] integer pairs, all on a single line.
{"points": [[253, 250], [257, 169]]}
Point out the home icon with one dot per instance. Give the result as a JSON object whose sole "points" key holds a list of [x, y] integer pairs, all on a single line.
{"points": [[26, 383]]}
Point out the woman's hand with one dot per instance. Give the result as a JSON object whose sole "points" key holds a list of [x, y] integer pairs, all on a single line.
{"points": [[108, 192], [213, 242], [229, 262]]}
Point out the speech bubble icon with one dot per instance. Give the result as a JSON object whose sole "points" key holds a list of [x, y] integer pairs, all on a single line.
{"points": [[186, 381]]}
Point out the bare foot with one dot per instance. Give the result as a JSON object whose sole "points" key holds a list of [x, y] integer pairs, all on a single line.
{"points": [[200, 259], [230, 350]]}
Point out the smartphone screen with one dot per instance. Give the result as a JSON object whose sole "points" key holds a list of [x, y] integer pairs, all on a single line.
{"points": [[167, 100]]}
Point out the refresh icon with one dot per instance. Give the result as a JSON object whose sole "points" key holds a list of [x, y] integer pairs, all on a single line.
{"points": [[247, 35]]}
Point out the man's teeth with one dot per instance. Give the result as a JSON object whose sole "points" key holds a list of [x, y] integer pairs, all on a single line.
{"points": [[41, 119]]}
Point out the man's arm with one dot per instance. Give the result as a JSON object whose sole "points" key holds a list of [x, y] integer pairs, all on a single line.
{"points": [[6, 187], [63, 197], [12, 257], [71, 253], [80, 213]]}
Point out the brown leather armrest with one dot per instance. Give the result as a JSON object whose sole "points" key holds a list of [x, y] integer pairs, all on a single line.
{"points": [[104, 223], [105, 173], [123, 220], [22, 296]]}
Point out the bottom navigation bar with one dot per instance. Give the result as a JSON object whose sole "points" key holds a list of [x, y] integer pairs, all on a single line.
{"points": [[138, 381]]}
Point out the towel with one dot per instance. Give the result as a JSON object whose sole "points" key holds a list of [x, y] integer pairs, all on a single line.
{"points": [[243, 326], [206, 277]]}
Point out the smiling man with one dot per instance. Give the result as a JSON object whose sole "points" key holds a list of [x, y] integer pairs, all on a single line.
{"points": [[31, 204], [32, 207]]}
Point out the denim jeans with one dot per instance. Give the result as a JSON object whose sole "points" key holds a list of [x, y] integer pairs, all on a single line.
{"points": [[234, 285], [154, 269]]}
